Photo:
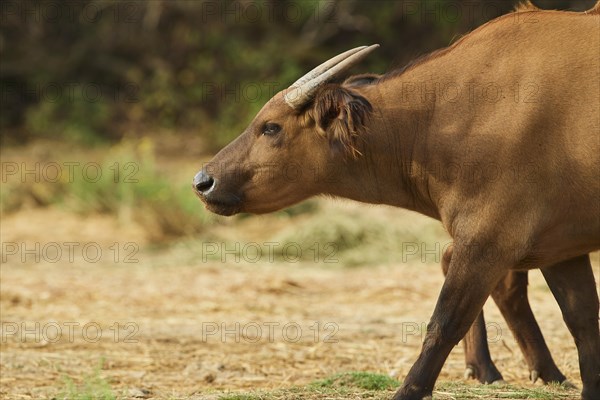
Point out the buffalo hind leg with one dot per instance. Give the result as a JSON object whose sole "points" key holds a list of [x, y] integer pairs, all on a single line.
{"points": [[479, 364], [573, 285], [511, 298]]}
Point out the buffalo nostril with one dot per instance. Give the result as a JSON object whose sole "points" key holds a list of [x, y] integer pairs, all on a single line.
{"points": [[203, 182]]}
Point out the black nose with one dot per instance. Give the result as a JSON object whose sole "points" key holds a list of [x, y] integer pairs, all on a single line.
{"points": [[203, 182]]}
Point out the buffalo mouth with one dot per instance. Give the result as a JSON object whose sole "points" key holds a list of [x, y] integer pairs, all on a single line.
{"points": [[225, 205]]}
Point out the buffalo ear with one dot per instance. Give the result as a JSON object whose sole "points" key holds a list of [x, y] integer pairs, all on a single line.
{"points": [[340, 115]]}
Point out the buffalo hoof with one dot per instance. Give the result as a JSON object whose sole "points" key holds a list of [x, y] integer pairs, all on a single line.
{"points": [[547, 375], [533, 376], [567, 384], [469, 373], [411, 393], [488, 374]]}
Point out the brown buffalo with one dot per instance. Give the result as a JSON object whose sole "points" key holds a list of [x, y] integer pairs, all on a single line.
{"points": [[496, 136]]}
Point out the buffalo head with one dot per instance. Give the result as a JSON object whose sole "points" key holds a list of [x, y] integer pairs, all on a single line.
{"points": [[288, 151]]}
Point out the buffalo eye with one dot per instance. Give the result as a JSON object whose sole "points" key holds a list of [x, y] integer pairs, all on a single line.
{"points": [[271, 129]]}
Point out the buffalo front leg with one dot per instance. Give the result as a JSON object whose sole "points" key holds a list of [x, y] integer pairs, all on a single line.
{"points": [[511, 298], [479, 364], [470, 280], [573, 285]]}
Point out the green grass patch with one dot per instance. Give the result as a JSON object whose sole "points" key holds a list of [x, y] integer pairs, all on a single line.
{"points": [[342, 386], [93, 387], [240, 397], [359, 380], [460, 390], [366, 385]]}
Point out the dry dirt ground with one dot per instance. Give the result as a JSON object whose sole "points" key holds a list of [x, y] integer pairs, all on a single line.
{"points": [[169, 325]]}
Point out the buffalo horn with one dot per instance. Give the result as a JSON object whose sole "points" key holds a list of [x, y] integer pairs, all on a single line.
{"points": [[304, 88]]}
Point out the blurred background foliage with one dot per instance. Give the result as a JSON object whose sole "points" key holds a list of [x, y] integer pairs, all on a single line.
{"points": [[162, 85], [95, 71]]}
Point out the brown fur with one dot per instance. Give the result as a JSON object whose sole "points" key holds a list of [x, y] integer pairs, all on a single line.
{"points": [[359, 80], [523, 7], [513, 178]]}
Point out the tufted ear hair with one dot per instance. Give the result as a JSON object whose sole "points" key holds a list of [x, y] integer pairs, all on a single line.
{"points": [[340, 114]]}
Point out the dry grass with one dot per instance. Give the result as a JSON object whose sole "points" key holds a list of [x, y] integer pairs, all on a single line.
{"points": [[352, 319], [363, 385], [172, 297]]}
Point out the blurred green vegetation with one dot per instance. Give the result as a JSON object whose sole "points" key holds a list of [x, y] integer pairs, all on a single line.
{"points": [[375, 386], [125, 182], [97, 70], [117, 77], [93, 387], [359, 236]]}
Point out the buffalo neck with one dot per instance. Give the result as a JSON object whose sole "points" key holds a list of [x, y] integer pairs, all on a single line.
{"points": [[397, 165]]}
